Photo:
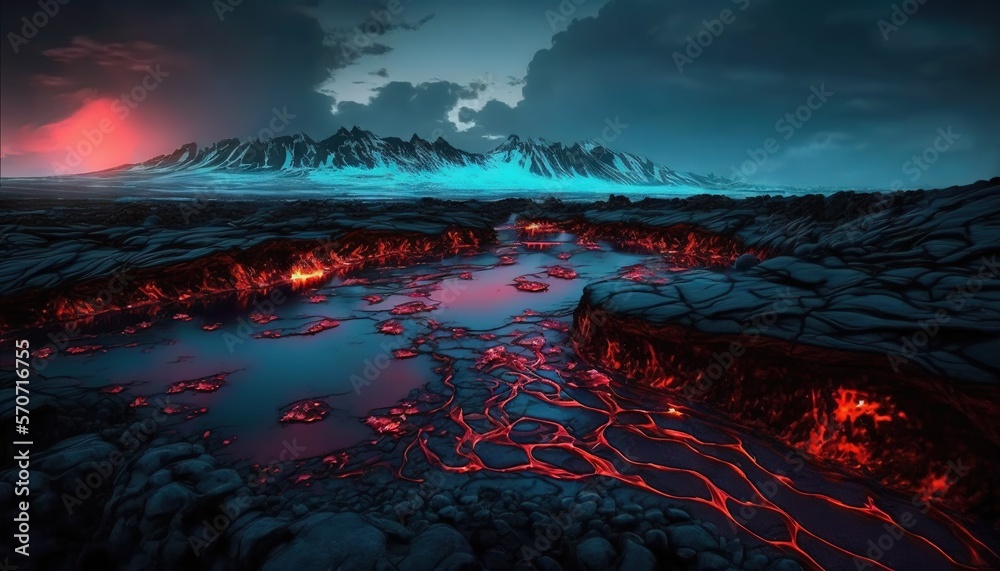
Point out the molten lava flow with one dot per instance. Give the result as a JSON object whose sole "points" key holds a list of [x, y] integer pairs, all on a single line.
{"points": [[812, 399], [291, 263], [844, 434], [528, 366], [684, 246]]}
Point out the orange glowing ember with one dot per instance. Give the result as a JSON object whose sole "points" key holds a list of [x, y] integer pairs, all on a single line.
{"points": [[300, 276]]}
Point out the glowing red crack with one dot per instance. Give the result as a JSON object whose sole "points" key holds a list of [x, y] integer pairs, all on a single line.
{"points": [[499, 356]]}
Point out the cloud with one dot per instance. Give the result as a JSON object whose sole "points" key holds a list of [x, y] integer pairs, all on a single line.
{"points": [[401, 108], [225, 77], [133, 56], [52, 81], [728, 99], [414, 25]]}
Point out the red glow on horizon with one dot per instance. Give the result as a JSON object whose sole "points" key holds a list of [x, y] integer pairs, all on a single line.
{"points": [[102, 133]]}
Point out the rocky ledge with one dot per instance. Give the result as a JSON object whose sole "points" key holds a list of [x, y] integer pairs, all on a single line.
{"points": [[871, 338]]}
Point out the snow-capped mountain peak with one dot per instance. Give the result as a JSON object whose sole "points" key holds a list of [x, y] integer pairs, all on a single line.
{"points": [[358, 151]]}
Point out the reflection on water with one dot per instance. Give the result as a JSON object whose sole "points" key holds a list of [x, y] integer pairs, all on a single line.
{"points": [[350, 366]]}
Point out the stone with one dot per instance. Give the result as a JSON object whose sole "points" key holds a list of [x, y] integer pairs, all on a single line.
{"points": [[755, 562], [623, 520], [259, 537], [785, 565], [594, 554], [441, 500], [546, 563], [219, 482], [585, 510], [709, 561], [392, 528], [637, 558], [434, 547], [607, 507], [692, 537], [654, 515], [656, 540], [676, 515], [324, 541], [168, 500]]}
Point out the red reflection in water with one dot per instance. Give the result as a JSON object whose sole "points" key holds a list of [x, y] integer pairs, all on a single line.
{"points": [[524, 284], [411, 307], [562, 272], [390, 327], [405, 353], [208, 384], [306, 411]]}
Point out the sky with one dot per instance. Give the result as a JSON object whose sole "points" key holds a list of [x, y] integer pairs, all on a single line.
{"points": [[848, 94]]}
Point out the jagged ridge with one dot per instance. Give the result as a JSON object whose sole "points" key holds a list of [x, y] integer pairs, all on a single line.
{"points": [[360, 149]]}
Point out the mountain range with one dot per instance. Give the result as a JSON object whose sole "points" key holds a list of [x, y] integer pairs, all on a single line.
{"points": [[357, 152]]}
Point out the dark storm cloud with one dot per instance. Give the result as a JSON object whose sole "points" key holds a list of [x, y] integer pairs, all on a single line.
{"points": [[693, 84], [223, 74], [892, 88], [355, 28], [402, 109]]}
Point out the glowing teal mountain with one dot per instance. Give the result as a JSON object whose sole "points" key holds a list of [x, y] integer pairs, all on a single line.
{"points": [[357, 157]]}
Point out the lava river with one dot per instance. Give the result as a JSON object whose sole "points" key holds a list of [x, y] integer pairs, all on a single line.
{"points": [[466, 364]]}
